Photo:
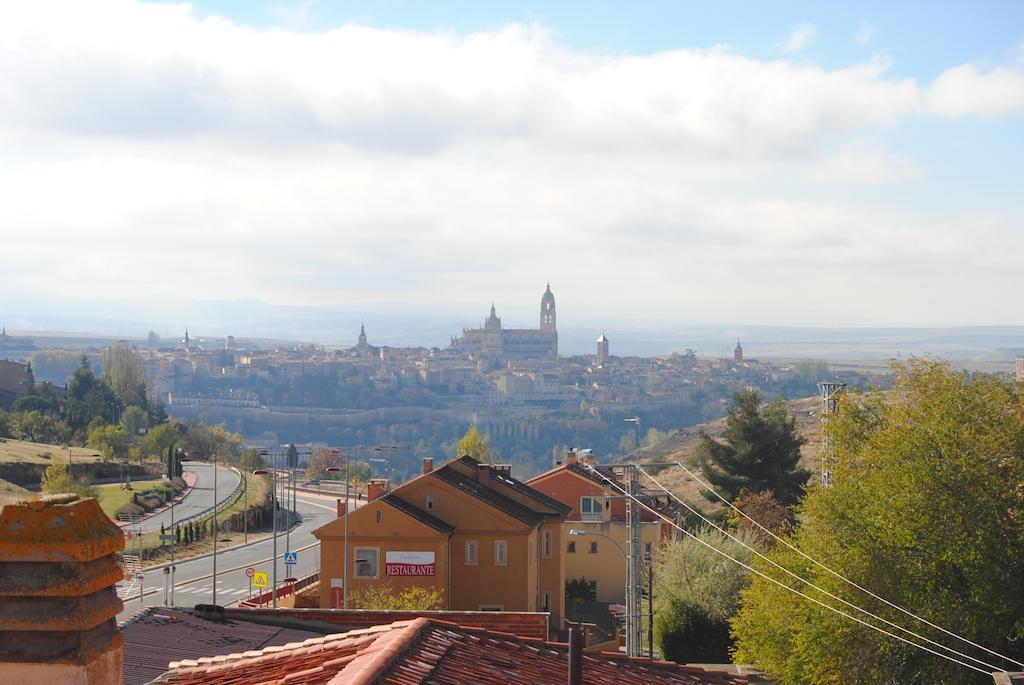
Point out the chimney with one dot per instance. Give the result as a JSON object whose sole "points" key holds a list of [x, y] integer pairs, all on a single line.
{"points": [[575, 656], [377, 487], [570, 457], [503, 469], [342, 508], [483, 474], [428, 465], [58, 561]]}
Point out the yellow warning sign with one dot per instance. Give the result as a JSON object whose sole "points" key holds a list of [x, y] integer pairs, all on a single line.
{"points": [[259, 580]]}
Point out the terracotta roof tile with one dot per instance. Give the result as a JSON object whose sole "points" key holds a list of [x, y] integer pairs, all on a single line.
{"points": [[430, 652]]}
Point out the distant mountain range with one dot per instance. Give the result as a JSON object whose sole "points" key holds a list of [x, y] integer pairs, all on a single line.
{"points": [[46, 316]]}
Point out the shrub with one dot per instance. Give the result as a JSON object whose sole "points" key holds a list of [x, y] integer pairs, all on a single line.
{"points": [[687, 633]]}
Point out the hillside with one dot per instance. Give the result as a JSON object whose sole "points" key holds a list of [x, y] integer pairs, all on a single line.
{"points": [[681, 444], [11, 493], [24, 452]]}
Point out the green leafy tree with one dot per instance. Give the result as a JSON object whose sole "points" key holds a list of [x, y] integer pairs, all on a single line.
{"points": [[580, 588], [761, 451], [927, 510], [161, 440], [109, 440], [88, 398], [36, 426], [475, 445], [251, 461], [57, 479], [322, 459], [696, 592], [134, 419], [206, 442]]}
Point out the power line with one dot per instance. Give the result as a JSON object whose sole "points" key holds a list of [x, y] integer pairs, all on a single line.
{"points": [[826, 568], [816, 587], [786, 587]]}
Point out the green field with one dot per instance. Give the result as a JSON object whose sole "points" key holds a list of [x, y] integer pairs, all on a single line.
{"points": [[112, 497], [38, 453]]}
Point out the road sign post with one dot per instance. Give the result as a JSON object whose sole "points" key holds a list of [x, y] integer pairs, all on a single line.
{"points": [[249, 573], [260, 581], [291, 558]]}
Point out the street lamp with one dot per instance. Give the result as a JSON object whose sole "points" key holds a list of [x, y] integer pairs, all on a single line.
{"points": [[344, 574], [273, 515], [629, 619]]}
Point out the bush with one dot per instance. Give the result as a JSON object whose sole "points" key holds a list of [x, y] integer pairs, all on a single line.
{"points": [[130, 509], [687, 633]]}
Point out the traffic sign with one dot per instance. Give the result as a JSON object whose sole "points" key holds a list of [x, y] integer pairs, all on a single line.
{"points": [[291, 558], [259, 580], [250, 572]]}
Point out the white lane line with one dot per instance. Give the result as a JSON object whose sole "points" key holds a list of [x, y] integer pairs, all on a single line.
{"points": [[322, 506]]}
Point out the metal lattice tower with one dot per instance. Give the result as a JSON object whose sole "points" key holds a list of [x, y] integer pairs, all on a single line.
{"points": [[830, 393], [634, 580]]}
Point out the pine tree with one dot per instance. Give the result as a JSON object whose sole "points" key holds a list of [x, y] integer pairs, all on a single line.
{"points": [[761, 451]]}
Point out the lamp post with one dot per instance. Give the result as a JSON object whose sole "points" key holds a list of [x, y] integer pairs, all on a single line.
{"points": [[631, 648], [273, 515], [344, 572], [214, 531]]}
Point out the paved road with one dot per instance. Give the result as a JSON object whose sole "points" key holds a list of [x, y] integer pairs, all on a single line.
{"points": [[193, 578], [200, 498]]}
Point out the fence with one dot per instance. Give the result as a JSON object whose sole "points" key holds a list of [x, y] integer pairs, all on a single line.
{"points": [[283, 591], [587, 611]]}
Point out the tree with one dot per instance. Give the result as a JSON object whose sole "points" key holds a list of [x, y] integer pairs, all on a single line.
{"points": [[206, 442], [761, 451], [125, 373], [292, 457], [475, 445], [251, 461], [696, 592], [322, 459], [580, 588], [88, 398], [134, 419], [766, 510], [927, 510], [161, 441], [35, 426], [57, 479], [109, 440]]}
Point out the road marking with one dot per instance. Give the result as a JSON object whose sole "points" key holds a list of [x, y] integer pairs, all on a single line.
{"points": [[314, 504]]}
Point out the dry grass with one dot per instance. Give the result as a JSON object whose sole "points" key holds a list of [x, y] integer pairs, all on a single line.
{"points": [[11, 493], [681, 445], [39, 453]]}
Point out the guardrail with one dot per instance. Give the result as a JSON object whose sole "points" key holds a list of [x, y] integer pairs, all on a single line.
{"points": [[282, 591], [230, 500]]}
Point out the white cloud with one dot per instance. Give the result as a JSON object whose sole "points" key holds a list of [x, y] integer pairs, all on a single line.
{"points": [[865, 161], [865, 34], [966, 90], [145, 149], [800, 38]]}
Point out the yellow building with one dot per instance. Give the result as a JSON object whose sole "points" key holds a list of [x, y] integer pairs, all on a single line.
{"points": [[597, 552], [482, 539]]}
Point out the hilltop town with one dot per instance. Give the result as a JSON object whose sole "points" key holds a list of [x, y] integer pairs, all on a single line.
{"points": [[510, 382]]}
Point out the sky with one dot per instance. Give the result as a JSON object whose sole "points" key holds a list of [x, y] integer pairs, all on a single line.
{"points": [[794, 163]]}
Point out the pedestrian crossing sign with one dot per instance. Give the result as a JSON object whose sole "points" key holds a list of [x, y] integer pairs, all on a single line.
{"points": [[260, 580], [291, 558]]}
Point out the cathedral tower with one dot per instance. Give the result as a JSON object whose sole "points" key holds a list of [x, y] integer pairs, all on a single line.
{"points": [[547, 311]]}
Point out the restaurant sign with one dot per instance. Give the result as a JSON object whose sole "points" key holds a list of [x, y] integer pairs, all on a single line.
{"points": [[409, 563]]}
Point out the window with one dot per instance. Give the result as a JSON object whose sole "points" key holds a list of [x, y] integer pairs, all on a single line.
{"points": [[366, 562], [593, 547], [471, 552], [571, 547], [546, 606], [591, 508], [500, 552], [430, 501], [379, 516], [546, 548]]}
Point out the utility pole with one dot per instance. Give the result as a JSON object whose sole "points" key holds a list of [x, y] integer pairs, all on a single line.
{"points": [[634, 580], [214, 531]]}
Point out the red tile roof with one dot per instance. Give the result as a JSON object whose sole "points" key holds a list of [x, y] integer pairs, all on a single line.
{"points": [[425, 651]]}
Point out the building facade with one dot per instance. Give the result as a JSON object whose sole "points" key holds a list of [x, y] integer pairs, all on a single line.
{"points": [[514, 344], [598, 554], [482, 539]]}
